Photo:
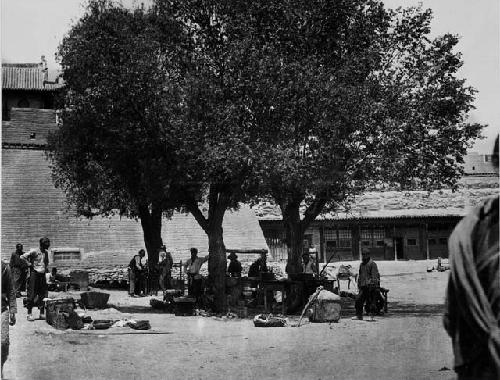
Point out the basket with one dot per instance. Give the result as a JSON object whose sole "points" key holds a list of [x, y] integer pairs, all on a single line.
{"points": [[58, 310], [184, 306], [94, 300]]}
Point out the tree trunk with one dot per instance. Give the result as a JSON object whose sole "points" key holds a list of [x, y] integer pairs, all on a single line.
{"points": [[295, 228], [294, 237], [217, 268], [212, 226], [151, 228], [295, 241]]}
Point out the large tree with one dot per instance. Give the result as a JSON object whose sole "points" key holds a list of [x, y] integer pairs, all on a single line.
{"points": [[117, 148], [352, 96]]}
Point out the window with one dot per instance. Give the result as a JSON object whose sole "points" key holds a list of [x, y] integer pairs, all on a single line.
{"points": [[487, 158], [345, 238], [64, 255], [411, 242], [341, 238], [331, 244], [443, 240], [373, 237], [32, 136]]}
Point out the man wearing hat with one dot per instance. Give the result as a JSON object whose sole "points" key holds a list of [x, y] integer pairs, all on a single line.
{"points": [[234, 267], [166, 264], [307, 264]]}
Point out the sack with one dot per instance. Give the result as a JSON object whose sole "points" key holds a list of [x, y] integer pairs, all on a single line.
{"points": [[140, 325], [75, 322], [326, 307]]}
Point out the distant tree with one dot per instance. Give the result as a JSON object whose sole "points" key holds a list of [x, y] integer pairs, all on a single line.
{"points": [[117, 149], [349, 96]]}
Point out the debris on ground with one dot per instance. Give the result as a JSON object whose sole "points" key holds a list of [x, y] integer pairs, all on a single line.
{"points": [[268, 320]]}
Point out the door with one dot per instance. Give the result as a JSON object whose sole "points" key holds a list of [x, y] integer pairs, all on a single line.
{"points": [[399, 248]]}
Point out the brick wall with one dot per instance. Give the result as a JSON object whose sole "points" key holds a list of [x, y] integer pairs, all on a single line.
{"points": [[32, 207]]}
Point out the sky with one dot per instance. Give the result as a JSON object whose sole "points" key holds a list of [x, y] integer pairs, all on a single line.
{"points": [[32, 28]]}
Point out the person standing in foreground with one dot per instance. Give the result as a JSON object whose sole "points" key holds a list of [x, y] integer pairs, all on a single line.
{"points": [[472, 314], [368, 281], [18, 269], [192, 267], [37, 287], [136, 276], [166, 263], [9, 309]]}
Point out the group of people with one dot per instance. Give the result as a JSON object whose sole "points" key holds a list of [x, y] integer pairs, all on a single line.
{"points": [[30, 268]]}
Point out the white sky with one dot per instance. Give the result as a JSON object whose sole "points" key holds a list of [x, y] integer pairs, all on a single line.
{"points": [[32, 28]]}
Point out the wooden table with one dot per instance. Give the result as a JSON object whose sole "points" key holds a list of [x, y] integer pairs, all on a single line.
{"points": [[275, 285]]}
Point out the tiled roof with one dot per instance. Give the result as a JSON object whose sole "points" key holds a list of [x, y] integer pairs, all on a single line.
{"points": [[475, 163], [28, 126], [26, 76], [396, 204], [32, 207]]}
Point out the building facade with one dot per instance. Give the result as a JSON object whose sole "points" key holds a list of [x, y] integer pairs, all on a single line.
{"points": [[391, 225]]}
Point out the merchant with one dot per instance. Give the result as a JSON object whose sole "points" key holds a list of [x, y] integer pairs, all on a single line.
{"points": [[19, 270], [258, 266], [192, 267], [234, 267], [368, 282], [37, 287], [9, 310], [166, 263], [308, 264], [136, 274], [473, 296]]}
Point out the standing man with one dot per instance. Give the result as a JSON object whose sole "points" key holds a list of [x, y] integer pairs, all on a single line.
{"points": [[234, 267], [308, 265], [9, 310], [19, 269], [136, 273], [473, 296], [165, 265], [37, 286], [192, 267], [368, 281]]}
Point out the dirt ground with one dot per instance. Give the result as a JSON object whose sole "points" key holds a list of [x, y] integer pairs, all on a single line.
{"points": [[407, 343]]}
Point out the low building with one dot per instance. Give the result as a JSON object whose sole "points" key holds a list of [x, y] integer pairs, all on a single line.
{"points": [[393, 225]]}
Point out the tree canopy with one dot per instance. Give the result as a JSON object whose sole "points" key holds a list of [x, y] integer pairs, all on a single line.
{"points": [[218, 102]]}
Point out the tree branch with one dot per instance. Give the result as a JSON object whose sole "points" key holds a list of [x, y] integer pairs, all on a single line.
{"points": [[313, 211], [193, 208]]}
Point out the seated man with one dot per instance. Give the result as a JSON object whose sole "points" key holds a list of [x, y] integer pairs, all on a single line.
{"points": [[54, 281], [258, 266]]}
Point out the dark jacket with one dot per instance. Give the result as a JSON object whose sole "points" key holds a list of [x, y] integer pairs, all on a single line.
{"points": [[257, 266], [8, 292], [368, 274], [234, 268]]}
